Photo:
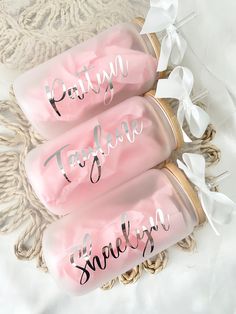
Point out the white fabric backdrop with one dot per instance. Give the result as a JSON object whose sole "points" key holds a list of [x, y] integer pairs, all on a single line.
{"points": [[200, 282]]}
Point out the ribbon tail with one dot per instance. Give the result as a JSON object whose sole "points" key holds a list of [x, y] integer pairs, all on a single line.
{"points": [[181, 115], [179, 49], [151, 23], [167, 88], [188, 169], [218, 207], [206, 204], [193, 166], [160, 15], [198, 120], [223, 208], [166, 47], [186, 138], [197, 164]]}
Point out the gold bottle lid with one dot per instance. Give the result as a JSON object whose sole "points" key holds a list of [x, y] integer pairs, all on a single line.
{"points": [[152, 37], [193, 197], [171, 117]]}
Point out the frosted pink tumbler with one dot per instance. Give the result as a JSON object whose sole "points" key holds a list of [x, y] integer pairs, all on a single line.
{"points": [[71, 170], [88, 79], [122, 229]]}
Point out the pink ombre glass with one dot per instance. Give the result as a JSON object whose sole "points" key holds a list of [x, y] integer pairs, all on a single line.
{"points": [[102, 153], [120, 230], [87, 79]]}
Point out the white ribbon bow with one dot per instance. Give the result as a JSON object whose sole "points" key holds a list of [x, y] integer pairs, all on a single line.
{"points": [[161, 16], [217, 206], [179, 85]]}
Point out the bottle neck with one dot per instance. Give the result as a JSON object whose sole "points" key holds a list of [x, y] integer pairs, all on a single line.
{"points": [[187, 191], [162, 108]]}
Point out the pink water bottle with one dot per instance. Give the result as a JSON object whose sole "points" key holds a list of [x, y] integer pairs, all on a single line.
{"points": [[98, 155], [121, 229], [88, 79]]}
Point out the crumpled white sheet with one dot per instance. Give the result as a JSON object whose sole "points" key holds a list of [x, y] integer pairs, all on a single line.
{"points": [[200, 282]]}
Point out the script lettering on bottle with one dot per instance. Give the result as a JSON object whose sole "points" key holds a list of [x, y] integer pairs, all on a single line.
{"points": [[88, 80], [97, 153], [88, 262]]}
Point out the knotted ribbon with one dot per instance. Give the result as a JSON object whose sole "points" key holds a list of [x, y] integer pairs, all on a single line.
{"points": [[179, 86], [161, 16], [217, 206]]}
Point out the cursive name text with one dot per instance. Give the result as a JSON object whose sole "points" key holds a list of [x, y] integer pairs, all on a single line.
{"points": [[89, 263], [85, 84], [126, 131]]}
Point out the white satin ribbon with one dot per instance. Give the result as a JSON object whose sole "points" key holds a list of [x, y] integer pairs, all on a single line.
{"points": [[161, 16], [217, 206], [179, 85]]}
